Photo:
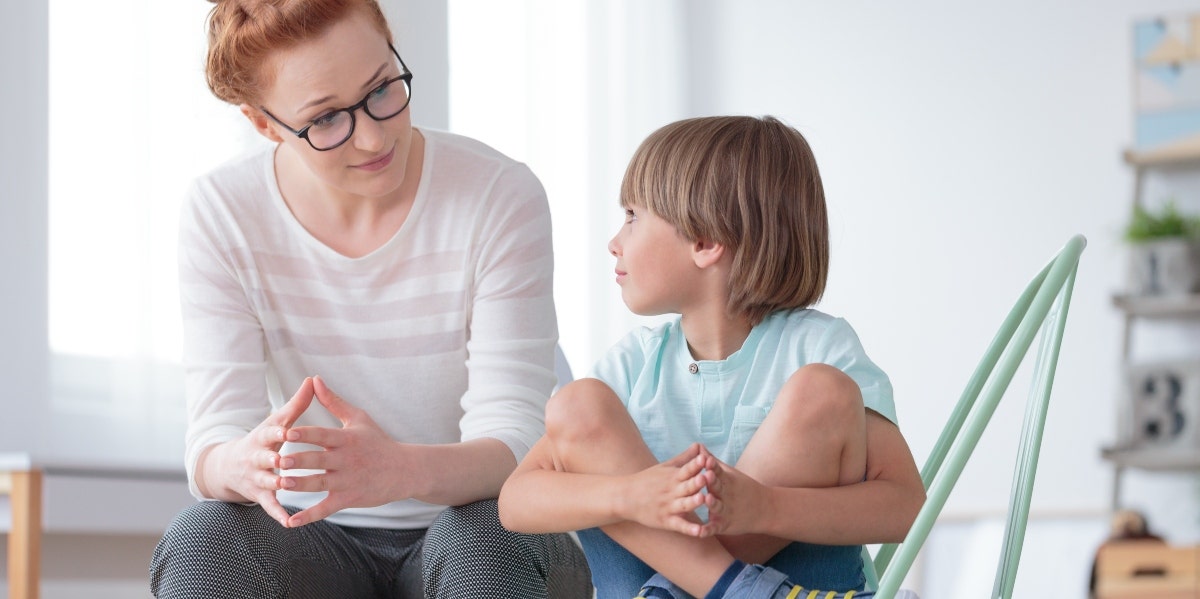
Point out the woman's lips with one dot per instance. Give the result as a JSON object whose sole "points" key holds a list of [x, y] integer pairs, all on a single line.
{"points": [[378, 163]]}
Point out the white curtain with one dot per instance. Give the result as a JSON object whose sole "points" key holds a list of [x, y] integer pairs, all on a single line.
{"points": [[570, 88]]}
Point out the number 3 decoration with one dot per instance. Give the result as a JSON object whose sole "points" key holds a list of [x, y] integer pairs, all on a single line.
{"points": [[1164, 398]]}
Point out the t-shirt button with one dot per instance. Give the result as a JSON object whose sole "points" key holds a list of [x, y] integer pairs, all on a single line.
{"points": [[693, 368]]}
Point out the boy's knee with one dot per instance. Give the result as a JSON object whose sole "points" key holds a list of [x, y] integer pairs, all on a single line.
{"points": [[821, 391], [580, 410]]}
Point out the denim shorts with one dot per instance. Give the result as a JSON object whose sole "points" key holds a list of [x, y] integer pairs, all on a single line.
{"points": [[618, 574]]}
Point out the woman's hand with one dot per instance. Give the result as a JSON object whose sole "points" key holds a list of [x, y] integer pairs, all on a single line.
{"points": [[244, 470], [354, 459], [734, 499], [665, 495]]}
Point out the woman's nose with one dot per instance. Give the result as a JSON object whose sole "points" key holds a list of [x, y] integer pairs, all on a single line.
{"points": [[612, 247], [368, 132]]}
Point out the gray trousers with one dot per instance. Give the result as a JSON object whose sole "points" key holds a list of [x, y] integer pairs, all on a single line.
{"points": [[223, 551]]}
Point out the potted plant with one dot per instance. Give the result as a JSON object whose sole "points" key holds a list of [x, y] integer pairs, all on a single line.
{"points": [[1165, 252]]}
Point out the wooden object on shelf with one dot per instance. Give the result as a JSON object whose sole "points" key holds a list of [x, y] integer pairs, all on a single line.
{"points": [[1137, 569]]}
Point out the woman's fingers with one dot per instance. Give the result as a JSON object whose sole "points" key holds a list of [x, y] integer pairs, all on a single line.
{"points": [[265, 480], [320, 511], [311, 483], [329, 438], [340, 408], [286, 416], [267, 460], [273, 508], [308, 460]]}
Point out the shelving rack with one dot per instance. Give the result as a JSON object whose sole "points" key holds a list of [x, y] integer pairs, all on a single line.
{"points": [[1184, 155]]}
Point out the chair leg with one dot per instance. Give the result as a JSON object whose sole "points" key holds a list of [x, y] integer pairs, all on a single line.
{"points": [[25, 536]]}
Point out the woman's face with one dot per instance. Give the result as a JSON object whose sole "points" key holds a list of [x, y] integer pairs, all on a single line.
{"points": [[331, 72]]}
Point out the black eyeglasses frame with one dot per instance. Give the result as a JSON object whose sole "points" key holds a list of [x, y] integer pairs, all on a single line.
{"points": [[302, 133]]}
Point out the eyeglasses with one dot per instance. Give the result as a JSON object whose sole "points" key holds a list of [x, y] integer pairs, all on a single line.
{"points": [[333, 128]]}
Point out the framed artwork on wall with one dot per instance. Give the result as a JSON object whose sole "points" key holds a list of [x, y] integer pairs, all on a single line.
{"points": [[1167, 84]]}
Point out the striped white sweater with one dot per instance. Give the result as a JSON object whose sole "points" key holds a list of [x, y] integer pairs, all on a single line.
{"points": [[445, 333]]}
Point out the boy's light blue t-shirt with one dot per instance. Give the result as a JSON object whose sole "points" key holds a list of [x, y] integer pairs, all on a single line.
{"points": [[676, 400]]}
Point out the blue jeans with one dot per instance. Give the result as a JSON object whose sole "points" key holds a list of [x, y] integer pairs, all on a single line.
{"points": [[618, 574]]}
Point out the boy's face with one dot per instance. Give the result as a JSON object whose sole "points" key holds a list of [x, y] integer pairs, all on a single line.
{"points": [[654, 264]]}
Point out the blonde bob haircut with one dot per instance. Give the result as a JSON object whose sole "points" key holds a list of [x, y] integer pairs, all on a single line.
{"points": [[751, 185], [243, 34]]}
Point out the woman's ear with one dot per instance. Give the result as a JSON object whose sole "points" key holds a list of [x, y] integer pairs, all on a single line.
{"points": [[706, 253], [261, 123]]}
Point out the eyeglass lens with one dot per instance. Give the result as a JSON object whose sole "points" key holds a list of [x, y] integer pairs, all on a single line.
{"points": [[384, 102]]}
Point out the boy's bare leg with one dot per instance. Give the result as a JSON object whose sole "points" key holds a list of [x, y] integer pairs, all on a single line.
{"points": [[591, 432], [814, 436]]}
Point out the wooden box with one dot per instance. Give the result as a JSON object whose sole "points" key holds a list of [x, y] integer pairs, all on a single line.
{"points": [[1143, 569]]}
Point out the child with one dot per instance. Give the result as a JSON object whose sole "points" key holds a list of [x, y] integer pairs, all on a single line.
{"points": [[725, 225]]}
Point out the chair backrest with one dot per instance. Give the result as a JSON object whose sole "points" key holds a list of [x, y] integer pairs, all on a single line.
{"points": [[1043, 306]]}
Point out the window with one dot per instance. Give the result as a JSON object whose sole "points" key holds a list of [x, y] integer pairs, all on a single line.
{"points": [[562, 86], [131, 123]]}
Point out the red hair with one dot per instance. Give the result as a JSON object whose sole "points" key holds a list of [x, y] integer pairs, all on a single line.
{"points": [[242, 34]]}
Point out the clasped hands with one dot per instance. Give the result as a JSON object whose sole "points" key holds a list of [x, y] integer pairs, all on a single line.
{"points": [[666, 496], [351, 456]]}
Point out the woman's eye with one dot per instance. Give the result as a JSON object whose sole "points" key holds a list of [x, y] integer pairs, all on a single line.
{"points": [[326, 121], [630, 216], [381, 91]]}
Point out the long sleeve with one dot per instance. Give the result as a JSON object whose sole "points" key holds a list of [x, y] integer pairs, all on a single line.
{"points": [[513, 324]]}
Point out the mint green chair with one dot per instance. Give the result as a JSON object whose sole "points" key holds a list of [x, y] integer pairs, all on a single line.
{"points": [[1042, 306]]}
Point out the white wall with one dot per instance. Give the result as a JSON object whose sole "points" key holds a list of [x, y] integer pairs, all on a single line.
{"points": [[23, 359], [419, 28]]}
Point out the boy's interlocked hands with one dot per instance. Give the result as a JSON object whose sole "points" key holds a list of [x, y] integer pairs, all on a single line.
{"points": [[666, 495]]}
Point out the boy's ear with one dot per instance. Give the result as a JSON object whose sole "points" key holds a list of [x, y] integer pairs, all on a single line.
{"points": [[260, 122], [706, 253]]}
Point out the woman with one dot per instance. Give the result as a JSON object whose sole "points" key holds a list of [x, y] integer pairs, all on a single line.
{"points": [[401, 277]]}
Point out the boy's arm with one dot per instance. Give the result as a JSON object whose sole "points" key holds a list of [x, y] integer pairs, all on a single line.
{"points": [[540, 498], [537, 498], [880, 509]]}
